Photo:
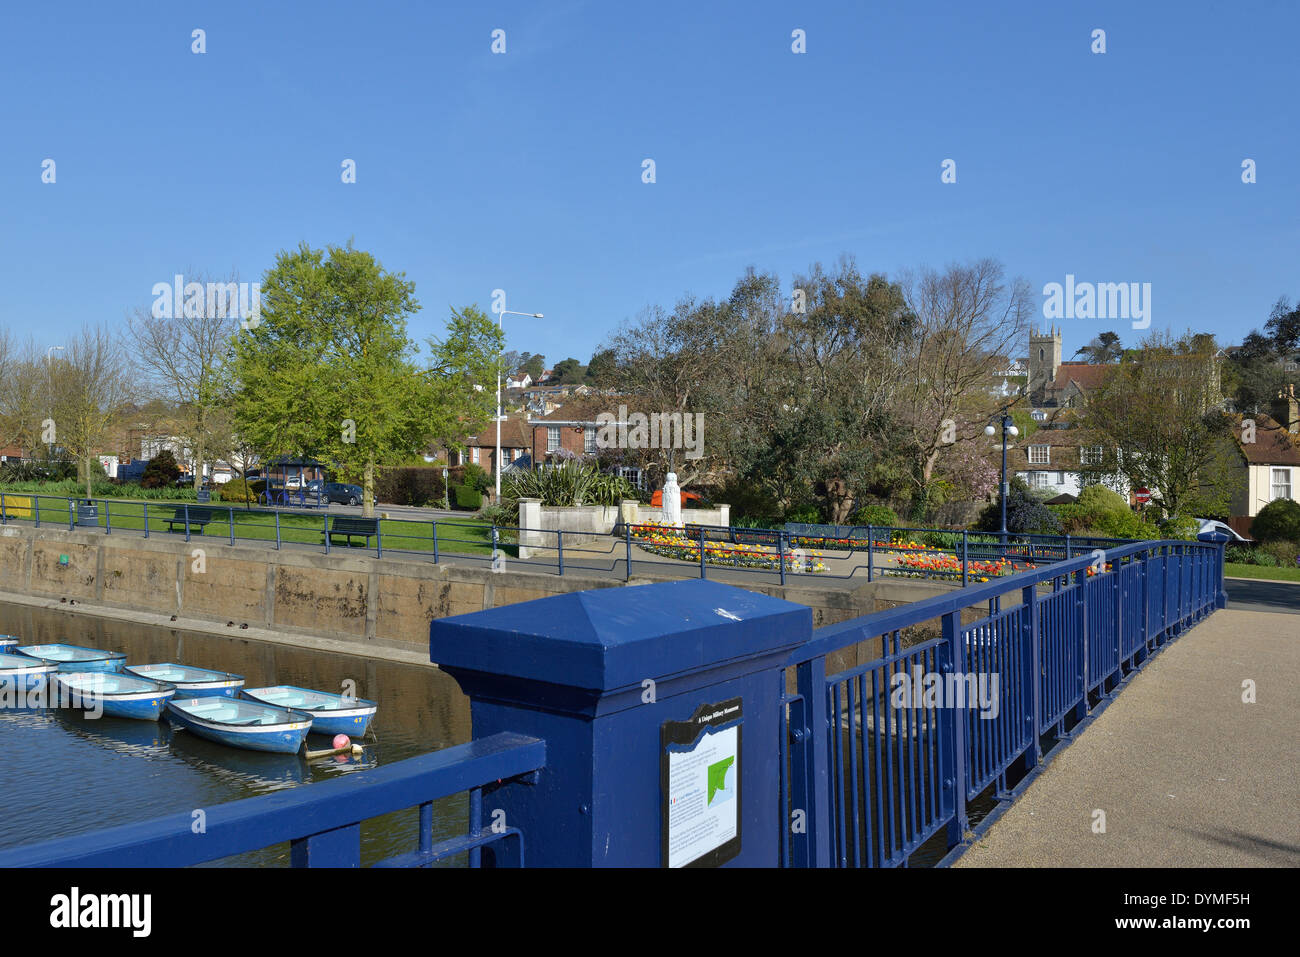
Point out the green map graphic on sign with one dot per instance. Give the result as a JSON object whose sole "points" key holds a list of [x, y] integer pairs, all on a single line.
{"points": [[718, 779]]}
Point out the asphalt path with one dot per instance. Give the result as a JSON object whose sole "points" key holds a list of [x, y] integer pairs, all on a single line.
{"points": [[1248, 594]]}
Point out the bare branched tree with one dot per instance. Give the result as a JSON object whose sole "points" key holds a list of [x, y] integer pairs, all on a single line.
{"points": [[181, 359], [91, 386]]}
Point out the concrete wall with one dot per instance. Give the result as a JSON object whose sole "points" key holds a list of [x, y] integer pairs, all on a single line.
{"points": [[582, 524], [360, 600]]}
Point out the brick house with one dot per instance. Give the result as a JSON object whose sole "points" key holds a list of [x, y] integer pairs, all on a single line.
{"points": [[571, 427], [1270, 464], [481, 449]]}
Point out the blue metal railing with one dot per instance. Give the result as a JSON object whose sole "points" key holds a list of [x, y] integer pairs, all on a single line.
{"points": [[322, 823], [880, 773]]}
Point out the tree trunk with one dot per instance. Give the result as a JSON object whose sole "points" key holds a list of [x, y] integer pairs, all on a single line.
{"points": [[89, 475], [368, 489]]}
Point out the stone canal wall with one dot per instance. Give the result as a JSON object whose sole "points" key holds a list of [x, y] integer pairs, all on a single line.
{"points": [[356, 599]]}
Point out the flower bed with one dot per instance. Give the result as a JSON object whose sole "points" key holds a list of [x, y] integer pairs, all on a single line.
{"points": [[672, 542], [936, 564]]}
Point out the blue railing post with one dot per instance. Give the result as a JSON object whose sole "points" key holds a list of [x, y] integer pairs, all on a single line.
{"points": [[36, 507], [627, 532], [559, 544], [231, 523], [810, 768], [379, 537], [187, 522], [780, 553], [144, 507], [72, 513], [108, 519], [1033, 678], [4, 517], [495, 551], [871, 551], [326, 529], [1081, 611], [277, 529], [435, 541], [965, 560], [955, 783], [1119, 618], [702, 574], [1068, 552]]}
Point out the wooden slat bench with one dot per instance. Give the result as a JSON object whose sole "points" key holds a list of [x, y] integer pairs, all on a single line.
{"points": [[349, 526], [199, 517]]}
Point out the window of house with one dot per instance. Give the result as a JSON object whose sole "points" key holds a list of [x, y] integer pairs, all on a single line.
{"points": [[589, 441], [473, 454], [1281, 483], [1039, 479], [1039, 455], [1038, 415], [1090, 455], [552, 438]]}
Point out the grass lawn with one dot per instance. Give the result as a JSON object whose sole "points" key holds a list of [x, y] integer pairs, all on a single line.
{"points": [[464, 536], [1234, 570]]}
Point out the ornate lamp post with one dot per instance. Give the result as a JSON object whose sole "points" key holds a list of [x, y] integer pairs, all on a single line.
{"points": [[497, 468], [1008, 429]]}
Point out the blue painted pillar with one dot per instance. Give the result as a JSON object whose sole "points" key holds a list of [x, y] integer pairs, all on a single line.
{"points": [[614, 680]]}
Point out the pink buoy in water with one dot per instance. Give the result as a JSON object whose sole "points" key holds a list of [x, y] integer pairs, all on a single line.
{"points": [[341, 741]]}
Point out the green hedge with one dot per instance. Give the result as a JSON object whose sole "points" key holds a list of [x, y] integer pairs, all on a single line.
{"points": [[468, 497]]}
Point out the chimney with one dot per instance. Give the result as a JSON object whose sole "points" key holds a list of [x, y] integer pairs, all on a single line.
{"points": [[1286, 410]]}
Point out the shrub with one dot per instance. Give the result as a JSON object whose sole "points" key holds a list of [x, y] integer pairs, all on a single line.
{"points": [[1285, 553], [468, 497], [240, 490], [573, 483], [749, 502], [1124, 524], [1182, 527], [1264, 559], [805, 515], [477, 478], [1240, 554], [1279, 520], [410, 486], [499, 514], [1099, 498], [162, 470], [1025, 513], [875, 515]]}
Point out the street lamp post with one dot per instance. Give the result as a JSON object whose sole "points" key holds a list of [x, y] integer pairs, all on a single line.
{"points": [[497, 463], [1008, 429]]}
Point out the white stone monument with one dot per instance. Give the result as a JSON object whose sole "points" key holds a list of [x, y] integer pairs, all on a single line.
{"points": [[672, 499]]}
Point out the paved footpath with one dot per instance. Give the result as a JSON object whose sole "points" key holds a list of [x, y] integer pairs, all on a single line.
{"points": [[1188, 775]]}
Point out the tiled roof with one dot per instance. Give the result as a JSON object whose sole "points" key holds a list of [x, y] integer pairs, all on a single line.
{"points": [[1085, 375], [1272, 445]]}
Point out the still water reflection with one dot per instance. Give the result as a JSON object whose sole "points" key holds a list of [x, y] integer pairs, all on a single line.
{"points": [[62, 774]]}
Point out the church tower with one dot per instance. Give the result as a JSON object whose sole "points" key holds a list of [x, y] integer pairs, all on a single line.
{"points": [[1044, 361]]}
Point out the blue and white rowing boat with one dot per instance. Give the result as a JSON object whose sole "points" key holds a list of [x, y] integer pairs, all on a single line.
{"points": [[240, 723], [191, 682], [8, 643], [75, 658], [330, 713], [21, 673], [120, 696]]}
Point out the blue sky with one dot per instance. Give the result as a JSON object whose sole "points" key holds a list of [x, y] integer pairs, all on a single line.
{"points": [[522, 170]]}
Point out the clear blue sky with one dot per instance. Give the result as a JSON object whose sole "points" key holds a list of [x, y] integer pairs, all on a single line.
{"points": [[523, 170]]}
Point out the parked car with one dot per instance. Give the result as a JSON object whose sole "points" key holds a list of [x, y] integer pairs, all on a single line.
{"points": [[341, 494], [1212, 530]]}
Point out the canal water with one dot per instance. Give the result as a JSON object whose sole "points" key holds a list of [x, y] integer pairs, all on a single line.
{"points": [[62, 774]]}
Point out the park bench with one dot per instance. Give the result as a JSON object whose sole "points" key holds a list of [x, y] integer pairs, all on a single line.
{"points": [[755, 536], [198, 517], [349, 525]]}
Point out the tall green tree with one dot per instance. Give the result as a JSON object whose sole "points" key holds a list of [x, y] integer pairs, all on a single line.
{"points": [[330, 371], [1161, 411]]}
